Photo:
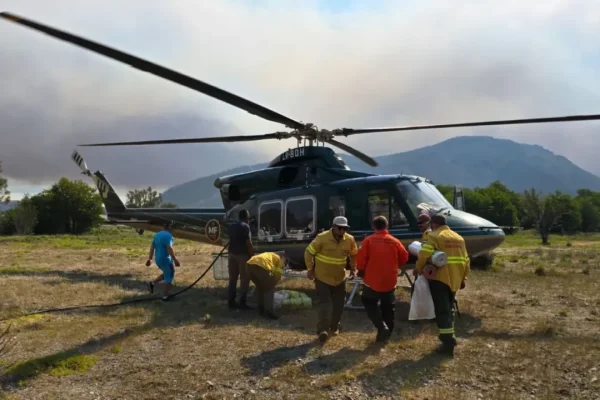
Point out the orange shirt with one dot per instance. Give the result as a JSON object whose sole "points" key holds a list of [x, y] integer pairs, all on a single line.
{"points": [[380, 256]]}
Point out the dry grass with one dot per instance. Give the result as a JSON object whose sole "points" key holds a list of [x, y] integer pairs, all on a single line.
{"points": [[523, 334]]}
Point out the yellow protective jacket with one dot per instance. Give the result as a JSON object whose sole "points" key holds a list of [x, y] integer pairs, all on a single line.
{"points": [[330, 257], [269, 261], [425, 234], [458, 266]]}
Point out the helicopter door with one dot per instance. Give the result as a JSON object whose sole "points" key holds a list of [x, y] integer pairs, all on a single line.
{"points": [[300, 217], [270, 220], [382, 202]]}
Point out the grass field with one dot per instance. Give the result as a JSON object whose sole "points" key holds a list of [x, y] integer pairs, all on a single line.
{"points": [[529, 328]]}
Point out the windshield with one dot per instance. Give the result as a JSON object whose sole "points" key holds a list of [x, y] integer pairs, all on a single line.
{"points": [[421, 196]]}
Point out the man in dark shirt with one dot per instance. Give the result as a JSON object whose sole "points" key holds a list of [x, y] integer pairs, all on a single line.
{"points": [[240, 251]]}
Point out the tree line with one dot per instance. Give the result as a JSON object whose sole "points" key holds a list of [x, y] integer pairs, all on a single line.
{"points": [[548, 213], [75, 207], [67, 207], [147, 198]]}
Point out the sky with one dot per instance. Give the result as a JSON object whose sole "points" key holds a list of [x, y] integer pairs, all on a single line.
{"points": [[342, 63]]}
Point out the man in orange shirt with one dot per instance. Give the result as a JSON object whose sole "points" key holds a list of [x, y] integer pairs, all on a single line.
{"points": [[378, 261]]}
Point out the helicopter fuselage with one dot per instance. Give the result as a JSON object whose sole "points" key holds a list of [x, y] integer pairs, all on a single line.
{"points": [[289, 204], [289, 219]]}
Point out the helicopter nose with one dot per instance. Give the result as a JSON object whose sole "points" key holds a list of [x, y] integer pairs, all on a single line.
{"points": [[467, 220], [486, 235], [494, 235]]}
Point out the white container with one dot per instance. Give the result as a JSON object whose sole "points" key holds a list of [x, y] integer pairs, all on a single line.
{"points": [[220, 270], [438, 258]]}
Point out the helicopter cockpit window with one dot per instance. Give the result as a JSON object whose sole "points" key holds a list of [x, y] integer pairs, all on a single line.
{"points": [[381, 203], [420, 195], [269, 220], [300, 216]]}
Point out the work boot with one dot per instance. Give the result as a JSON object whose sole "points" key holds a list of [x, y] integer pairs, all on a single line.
{"points": [[232, 305], [270, 315], [383, 335], [445, 350], [243, 305], [323, 336], [334, 330]]}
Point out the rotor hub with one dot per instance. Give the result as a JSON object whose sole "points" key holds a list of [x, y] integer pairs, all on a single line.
{"points": [[312, 133]]}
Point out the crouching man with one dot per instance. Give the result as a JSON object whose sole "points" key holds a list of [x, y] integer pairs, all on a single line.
{"points": [[378, 261], [265, 271]]}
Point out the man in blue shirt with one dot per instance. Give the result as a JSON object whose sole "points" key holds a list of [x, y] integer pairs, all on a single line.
{"points": [[162, 249], [240, 251]]}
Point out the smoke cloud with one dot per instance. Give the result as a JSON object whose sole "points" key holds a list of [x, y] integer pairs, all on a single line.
{"points": [[363, 64]]}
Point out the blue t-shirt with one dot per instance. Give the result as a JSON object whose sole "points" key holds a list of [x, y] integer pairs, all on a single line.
{"points": [[161, 241]]}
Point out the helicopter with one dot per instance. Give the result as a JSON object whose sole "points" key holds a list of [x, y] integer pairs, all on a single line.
{"points": [[300, 192]]}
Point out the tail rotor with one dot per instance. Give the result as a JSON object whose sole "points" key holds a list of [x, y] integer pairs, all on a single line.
{"points": [[78, 159], [111, 200]]}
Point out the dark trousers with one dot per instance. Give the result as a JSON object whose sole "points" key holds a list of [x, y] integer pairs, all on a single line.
{"points": [[331, 305], [384, 315], [236, 265], [265, 283], [443, 301]]}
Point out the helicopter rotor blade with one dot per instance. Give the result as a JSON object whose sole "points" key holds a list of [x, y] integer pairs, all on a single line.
{"points": [[245, 138], [361, 156], [349, 131], [158, 70]]}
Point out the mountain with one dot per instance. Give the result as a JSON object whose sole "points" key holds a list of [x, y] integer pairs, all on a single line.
{"points": [[470, 161], [7, 206]]}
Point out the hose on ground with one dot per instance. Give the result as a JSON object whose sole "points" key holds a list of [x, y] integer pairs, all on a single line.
{"points": [[137, 300]]}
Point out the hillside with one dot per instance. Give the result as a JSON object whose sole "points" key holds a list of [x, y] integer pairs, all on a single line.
{"points": [[470, 161], [7, 206]]}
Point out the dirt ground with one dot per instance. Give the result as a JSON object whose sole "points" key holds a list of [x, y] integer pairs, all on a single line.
{"points": [[529, 329]]}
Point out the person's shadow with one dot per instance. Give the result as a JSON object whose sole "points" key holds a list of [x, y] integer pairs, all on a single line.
{"points": [[207, 305]]}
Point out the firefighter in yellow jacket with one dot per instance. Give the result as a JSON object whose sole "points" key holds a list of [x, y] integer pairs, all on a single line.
{"points": [[423, 222], [448, 279], [265, 271], [326, 258]]}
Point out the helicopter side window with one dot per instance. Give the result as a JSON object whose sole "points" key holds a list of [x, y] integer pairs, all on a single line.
{"points": [[381, 203], [270, 219], [337, 206], [300, 217]]}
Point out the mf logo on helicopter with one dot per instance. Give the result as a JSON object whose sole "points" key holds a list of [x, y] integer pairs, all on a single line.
{"points": [[212, 230]]}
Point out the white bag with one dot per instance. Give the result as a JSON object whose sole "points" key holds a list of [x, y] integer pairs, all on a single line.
{"points": [[421, 304]]}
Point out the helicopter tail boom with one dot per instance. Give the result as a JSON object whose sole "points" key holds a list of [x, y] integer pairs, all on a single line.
{"points": [[110, 198], [205, 225]]}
